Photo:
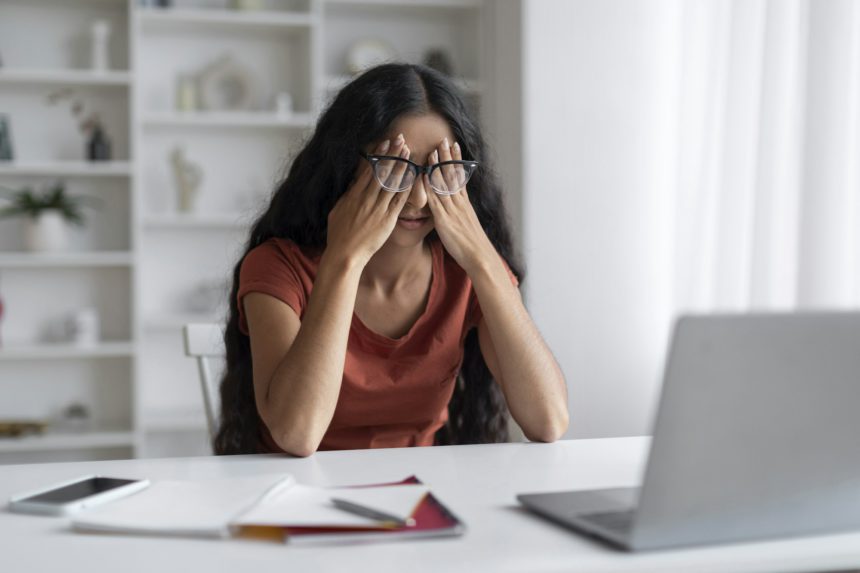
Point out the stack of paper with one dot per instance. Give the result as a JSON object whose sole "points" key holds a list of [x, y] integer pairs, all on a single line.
{"points": [[306, 506], [271, 506]]}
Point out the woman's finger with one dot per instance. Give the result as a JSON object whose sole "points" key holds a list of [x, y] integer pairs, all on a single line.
{"points": [[448, 170], [396, 178], [395, 207], [438, 179], [365, 178], [385, 168], [456, 152], [459, 170], [437, 205]]}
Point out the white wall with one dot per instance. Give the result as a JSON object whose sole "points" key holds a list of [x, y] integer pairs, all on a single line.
{"points": [[599, 126]]}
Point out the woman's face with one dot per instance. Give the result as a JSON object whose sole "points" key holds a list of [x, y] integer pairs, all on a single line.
{"points": [[423, 133]]}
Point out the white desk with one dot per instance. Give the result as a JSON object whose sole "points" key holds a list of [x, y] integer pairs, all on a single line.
{"points": [[479, 483]]}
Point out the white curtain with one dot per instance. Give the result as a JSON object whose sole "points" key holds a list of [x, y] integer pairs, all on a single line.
{"points": [[766, 198], [682, 155]]}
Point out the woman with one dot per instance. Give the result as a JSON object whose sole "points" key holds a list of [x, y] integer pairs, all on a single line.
{"points": [[370, 284]]}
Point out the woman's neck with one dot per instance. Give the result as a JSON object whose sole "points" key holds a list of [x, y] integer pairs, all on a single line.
{"points": [[393, 267]]}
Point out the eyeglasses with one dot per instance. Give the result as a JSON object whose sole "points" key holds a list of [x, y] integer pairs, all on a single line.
{"points": [[397, 174]]}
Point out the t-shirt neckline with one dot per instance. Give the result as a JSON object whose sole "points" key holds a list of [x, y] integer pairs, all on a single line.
{"points": [[436, 271]]}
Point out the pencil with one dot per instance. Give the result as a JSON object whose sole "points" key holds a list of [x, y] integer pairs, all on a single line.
{"points": [[371, 513]]}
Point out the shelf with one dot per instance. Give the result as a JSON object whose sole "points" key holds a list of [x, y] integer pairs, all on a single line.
{"points": [[469, 86], [177, 321], [231, 19], [178, 221], [65, 351], [58, 441], [67, 168], [174, 420], [437, 4], [247, 119], [61, 260], [110, 78]]}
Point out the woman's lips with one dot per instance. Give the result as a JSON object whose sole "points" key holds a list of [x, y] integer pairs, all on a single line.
{"points": [[412, 223]]}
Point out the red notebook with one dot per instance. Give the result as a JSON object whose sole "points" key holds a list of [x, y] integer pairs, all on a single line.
{"points": [[432, 519]]}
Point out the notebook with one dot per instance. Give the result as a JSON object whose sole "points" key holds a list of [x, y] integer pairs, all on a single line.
{"points": [[272, 506], [431, 519]]}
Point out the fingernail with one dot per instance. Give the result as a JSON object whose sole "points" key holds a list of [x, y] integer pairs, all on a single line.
{"points": [[385, 145], [405, 152], [456, 146], [445, 142], [436, 156], [400, 139]]}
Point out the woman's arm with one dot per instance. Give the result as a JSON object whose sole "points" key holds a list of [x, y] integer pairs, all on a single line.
{"points": [[298, 365], [514, 350], [516, 354]]}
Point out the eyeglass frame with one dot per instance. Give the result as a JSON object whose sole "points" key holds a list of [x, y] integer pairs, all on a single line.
{"points": [[419, 169]]}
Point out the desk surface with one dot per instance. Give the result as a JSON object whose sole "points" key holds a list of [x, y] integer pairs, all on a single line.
{"points": [[479, 483]]}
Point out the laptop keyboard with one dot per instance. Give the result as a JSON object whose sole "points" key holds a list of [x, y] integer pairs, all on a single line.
{"points": [[619, 522]]}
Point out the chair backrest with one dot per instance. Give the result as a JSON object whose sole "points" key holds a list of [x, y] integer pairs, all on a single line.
{"points": [[205, 342]]}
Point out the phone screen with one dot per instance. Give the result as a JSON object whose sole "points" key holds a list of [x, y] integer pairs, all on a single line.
{"points": [[79, 490]]}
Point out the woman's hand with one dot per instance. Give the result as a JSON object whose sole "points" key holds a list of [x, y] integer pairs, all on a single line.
{"points": [[364, 217], [453, 215]]}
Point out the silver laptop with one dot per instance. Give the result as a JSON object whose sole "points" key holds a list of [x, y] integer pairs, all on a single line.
{"points": [[757, 436]]}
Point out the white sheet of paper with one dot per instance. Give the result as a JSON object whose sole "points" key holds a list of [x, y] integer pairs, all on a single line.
{"points": [[197, 508], [306, 506]]}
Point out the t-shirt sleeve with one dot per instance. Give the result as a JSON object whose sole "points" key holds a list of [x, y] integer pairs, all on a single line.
{"points": [[268, 270], [475, 313]]}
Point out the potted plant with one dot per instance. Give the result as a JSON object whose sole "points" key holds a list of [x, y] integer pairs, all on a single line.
{"points": [[48, 214]]}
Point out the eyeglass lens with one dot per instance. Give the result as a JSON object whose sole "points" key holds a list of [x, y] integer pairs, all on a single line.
{"points": [[450, 178], [399, 175], [394, 174]]}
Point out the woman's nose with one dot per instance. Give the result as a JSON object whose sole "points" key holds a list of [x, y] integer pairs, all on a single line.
{"points": [[418, 194]]}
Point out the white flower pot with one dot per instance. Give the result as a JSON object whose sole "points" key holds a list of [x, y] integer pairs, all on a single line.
{"points": [[47, 232]]}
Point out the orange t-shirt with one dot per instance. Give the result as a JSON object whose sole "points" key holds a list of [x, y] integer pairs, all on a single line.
{"points": [[394, 393]]}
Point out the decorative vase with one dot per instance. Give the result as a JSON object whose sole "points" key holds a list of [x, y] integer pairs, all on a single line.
{"points": [[6, 153], [439, 60], [186, 93], [248, 4], [98, 146], [284, 105], [82, 327], [46, 233], [100, 36], [188, 177]]}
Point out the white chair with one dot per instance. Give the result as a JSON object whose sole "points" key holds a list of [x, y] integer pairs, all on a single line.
{"points": [[206, 342]]}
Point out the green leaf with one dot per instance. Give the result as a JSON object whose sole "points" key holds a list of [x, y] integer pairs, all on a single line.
{"points": [[26, 201]]}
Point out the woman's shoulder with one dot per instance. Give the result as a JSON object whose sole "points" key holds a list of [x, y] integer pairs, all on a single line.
{"points": [[278, 250], [277, 256]]}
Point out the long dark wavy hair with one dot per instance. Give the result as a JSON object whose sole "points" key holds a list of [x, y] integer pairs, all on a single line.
{"points": [[360, 114]]}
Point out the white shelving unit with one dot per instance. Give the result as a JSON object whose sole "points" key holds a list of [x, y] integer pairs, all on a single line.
{"points": [[65, 351], [224, 19], [68, 441], [43, 48], [66, 168], [65, 260], [200, 221], [143, 264], [73, 78], [228, 119]]}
